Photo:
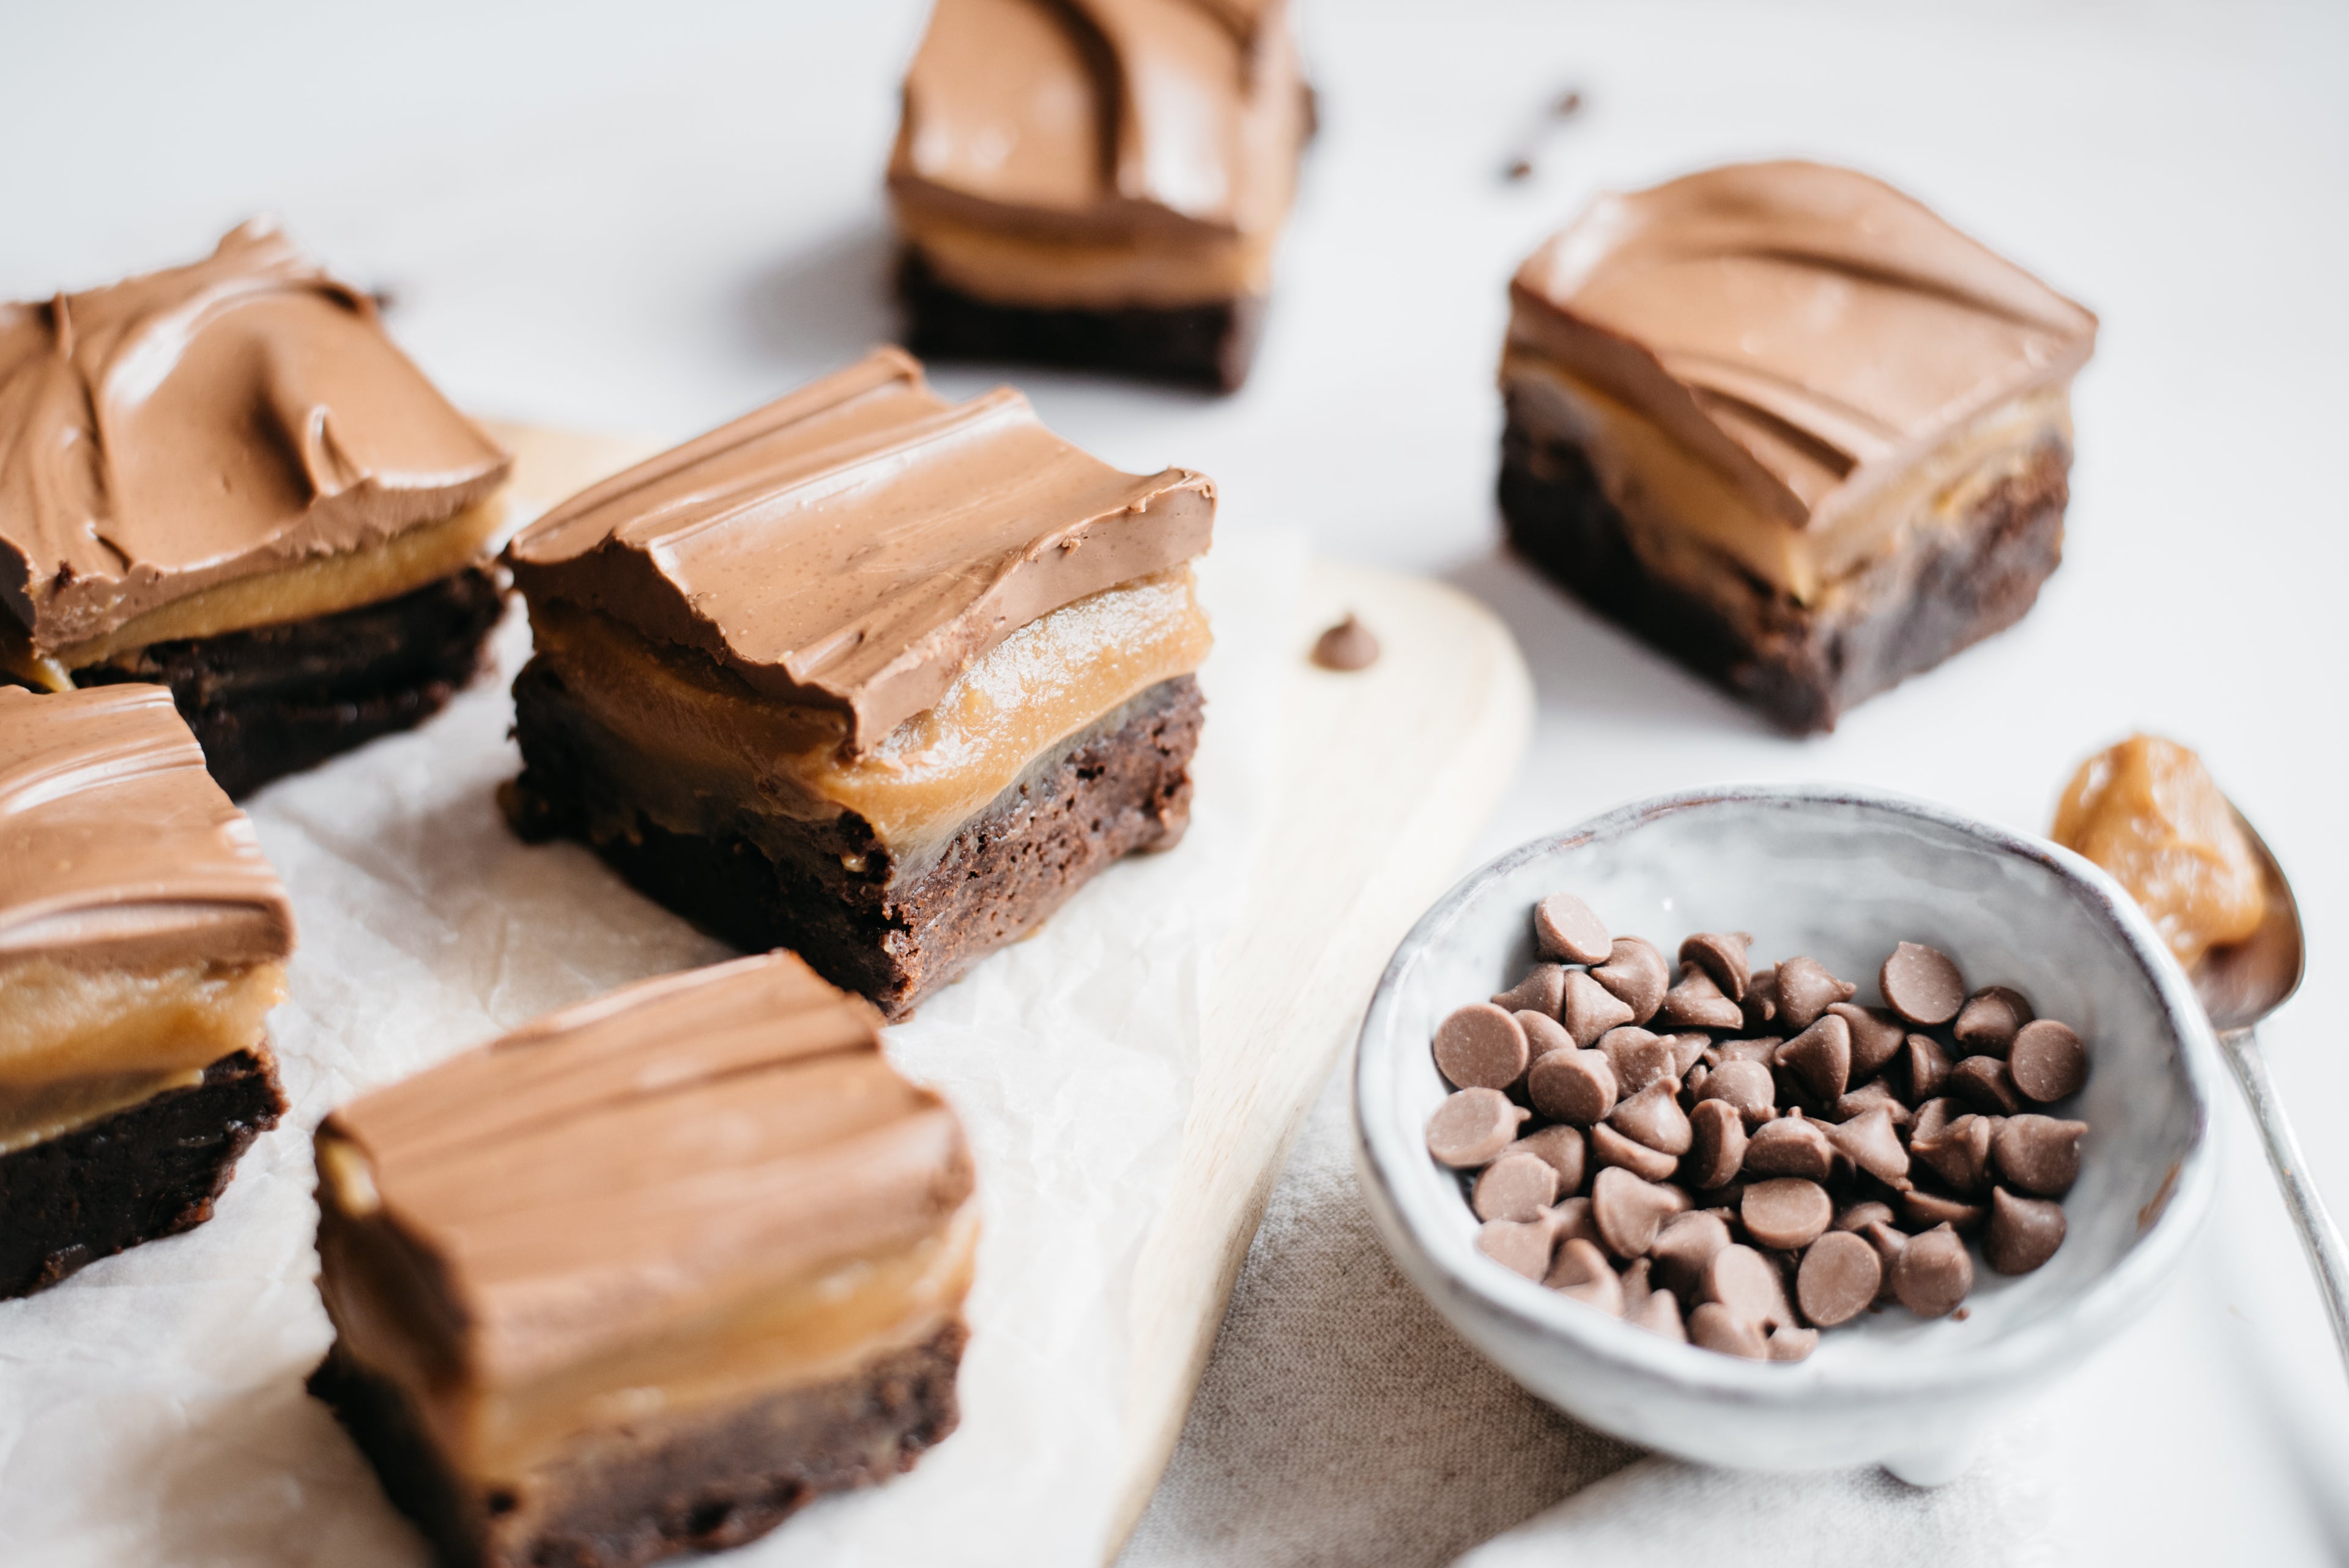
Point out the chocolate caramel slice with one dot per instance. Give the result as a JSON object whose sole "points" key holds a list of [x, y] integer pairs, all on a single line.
{"points": [[224, 477], [1788, 425], [648, 1275], [143, 939], [864, 673], [1098, 183]]}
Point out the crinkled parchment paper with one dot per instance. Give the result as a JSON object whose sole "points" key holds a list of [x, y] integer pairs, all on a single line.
{"points": [[152, 1409]]}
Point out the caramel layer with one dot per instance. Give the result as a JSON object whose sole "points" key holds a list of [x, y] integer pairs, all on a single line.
{"points": [[1009, 267], [1669, 493], [700, 736]]}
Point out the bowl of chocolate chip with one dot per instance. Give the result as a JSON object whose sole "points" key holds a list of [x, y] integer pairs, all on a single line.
{"points": [[1787, 1127]]}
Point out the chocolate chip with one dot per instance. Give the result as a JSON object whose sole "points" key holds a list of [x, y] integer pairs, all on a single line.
{"points": [[1572, 1219], [1934, 1274], [1472, 1127], [1922, 1210], [1636, 1288], [1820, 1059], [1660, 1314], [1544, 1034], [1654, 1117], [1989, 1021], [1715, 1327], [1636, 975], [1481, 1047], [1589, 1009], [1921, 985], [1788, 1343], [1889, 1242], [1581, 1271], [1763, 1050], [1564, 929], [2022, 1232], [1873, 1095], [1839, 1278], [1746, 1284], [1687, 1051], [1629, 1211], [1609, 1147], [1521, 1246], [1929, 1067], [1806, 990], [1959, 1154], [1876, 1038], [1984, 1083], [1716, 1143], [1515, 1187], [1561, 1148], [1744, 1085], [1722, 955], [1933, 1116], [1683, 1246], [1572, 1086], [1869, 1213], [2047, 1061], [1761, 999], [1790, 1146], [1639, 1058], [1696, 1003], [1346, 646], [2040, 1154], [1785, 1213], [1869, 1142], [1539, 992]]}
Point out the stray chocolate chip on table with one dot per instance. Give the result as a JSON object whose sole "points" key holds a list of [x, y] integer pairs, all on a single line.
{"points": [[1346, 646], [1707, 1137]]}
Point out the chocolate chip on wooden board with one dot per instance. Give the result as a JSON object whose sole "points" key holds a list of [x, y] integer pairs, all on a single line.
{"points": [[1921, 985], [1472, 1127], [1481, 1047], [1566, 930]]}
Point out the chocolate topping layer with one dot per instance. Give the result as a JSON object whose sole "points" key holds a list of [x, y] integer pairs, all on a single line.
{"points": [[208, 423], [608, 1172], [855, 545], [1803, 330], [1104, 118], [115, 843]]}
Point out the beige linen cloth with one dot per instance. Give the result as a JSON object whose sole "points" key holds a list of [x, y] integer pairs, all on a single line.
{"points": [[1342, 1423]]}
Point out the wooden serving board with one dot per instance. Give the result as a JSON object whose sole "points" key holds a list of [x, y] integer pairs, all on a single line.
{"points": [[1383, 778]]}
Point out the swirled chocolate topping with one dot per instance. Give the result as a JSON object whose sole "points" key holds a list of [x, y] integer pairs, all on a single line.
{"points": [[1101, 118], [115, 844], [852, 546], [612, 1168], [206, 423], [1805, 330]]}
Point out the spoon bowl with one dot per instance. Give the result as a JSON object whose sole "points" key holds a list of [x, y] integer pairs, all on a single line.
{"points": [[2244, 982]]}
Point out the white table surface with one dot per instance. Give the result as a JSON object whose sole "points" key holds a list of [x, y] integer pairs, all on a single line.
{"points": [[594, 215]]}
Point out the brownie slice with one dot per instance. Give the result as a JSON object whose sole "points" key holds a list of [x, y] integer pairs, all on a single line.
{"points": [[893, 932], [150, 1171]]}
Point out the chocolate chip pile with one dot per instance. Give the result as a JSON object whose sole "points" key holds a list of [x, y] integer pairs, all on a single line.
{"points": [[1740, 1157]]}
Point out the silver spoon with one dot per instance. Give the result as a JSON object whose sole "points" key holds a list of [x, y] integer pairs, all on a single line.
{"points": [[2239, 985]]}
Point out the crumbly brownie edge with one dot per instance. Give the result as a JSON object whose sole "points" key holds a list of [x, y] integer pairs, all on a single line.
{"points": [[275, 700], [1905, 614], [152, 1170], [703, 1482], [829, 891], [1210, 346]]}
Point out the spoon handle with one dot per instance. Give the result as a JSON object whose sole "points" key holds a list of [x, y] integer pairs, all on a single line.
{"points": [[2318, 1233]]}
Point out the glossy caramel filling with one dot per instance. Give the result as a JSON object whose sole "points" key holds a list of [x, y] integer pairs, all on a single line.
{"points": [[765, 1338], [78, 1045], [694, 736], [1008, 267], [2149, 813], [1679, 508], [321, 585]]}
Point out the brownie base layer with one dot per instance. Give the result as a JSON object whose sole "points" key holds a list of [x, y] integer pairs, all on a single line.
{"points": [[153, 1170], [626, 1497], [894, 933], [1210, 346], [277, 699], [1802, 668]]}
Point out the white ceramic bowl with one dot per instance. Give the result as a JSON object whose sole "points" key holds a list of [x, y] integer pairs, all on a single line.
{"points": [[1839, 873]]}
